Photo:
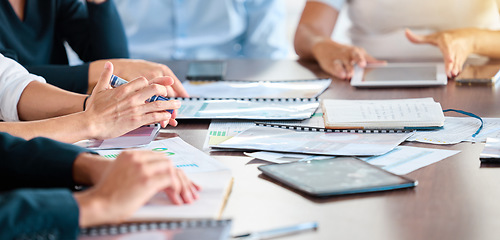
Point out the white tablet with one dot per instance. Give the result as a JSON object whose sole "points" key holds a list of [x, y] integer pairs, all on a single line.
{"points": [[400, 75]]}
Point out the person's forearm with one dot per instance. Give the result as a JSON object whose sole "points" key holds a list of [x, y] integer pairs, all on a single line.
{"points": [[88, 168], [316, 25], [42, 101], [486, 42], [70, 128]]}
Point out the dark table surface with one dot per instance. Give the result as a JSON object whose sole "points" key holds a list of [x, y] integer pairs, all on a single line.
{"points": [[457, 198]]}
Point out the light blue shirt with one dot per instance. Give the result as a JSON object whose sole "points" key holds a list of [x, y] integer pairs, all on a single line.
{"points": [[337, 4], [204, 29]]}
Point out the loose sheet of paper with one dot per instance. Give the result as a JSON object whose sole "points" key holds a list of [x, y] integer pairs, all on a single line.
{"points": [[183, 155], [458, 129], [401, 160], [405, 159], [222, 130], [135, 138], [241, 89], [276, 157], [491, 149], [322, 143]]}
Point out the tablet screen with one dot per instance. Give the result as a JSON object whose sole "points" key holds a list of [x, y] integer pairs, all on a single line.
{"points": [[337, 176], [400, 73]]}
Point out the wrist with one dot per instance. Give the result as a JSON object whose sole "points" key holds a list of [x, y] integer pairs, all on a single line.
{"points": [[88, 124], [88, 168], [92, 211]]}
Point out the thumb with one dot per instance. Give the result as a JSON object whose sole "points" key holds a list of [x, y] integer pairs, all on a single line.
{"points": [[418, 39], [103, 82]]}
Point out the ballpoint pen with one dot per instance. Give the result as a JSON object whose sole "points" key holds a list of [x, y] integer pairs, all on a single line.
{"points": [[116, 81], [278, 232]]}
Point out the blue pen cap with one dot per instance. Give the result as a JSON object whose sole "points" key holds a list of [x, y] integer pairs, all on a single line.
{"points": [[116, 81]]}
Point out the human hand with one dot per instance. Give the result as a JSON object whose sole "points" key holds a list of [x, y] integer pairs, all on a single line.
{"points": [[132, 69], [338, 59], [111, 112], [455, 45], [133, 178]]}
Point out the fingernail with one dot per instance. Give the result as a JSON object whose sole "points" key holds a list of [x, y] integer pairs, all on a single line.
{"points": [[107, 65], [175, 123], [177, 104]]}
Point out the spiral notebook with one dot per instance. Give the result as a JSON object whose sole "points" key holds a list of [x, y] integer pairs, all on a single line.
{"points": [[247, 108], [180, 230], [253, 89], [413, 113]]}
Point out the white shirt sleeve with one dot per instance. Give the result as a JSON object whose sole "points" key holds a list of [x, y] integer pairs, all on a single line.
{"points": [[337, 4], [13, 79]]}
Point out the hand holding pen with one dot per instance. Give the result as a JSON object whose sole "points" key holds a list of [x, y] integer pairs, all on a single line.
{"points": [[116, 81], [114, 111]]}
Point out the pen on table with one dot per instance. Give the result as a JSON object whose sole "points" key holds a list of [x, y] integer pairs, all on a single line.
{"points": [[278, 232], [116, 81]]}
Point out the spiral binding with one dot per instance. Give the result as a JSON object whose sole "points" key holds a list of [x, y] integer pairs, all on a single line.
{"points": [[319, 129], [250, 99], [106, 230]]}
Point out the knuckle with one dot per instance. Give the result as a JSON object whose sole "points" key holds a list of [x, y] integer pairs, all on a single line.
{"points": [[158, 104], [135, 119], [142, 81], [156, 117], [159, 88]]}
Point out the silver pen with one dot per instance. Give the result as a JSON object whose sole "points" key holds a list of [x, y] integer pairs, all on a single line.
{"points": [[278, 232]]}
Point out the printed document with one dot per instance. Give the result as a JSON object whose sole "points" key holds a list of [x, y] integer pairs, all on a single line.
{"points": [[405, 159], [261, 109], [312, 142], [214, 178], [402, 160], [458, 129], [262, 89]]}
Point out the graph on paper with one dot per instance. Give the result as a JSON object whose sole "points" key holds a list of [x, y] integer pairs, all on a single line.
{"points": [[181, 154]]}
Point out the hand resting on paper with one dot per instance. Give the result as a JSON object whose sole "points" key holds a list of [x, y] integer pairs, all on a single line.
{"points": [[126, 184]]}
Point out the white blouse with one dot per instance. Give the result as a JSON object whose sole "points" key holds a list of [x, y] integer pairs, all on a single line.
{"points": [[13, 79], [378, 25]]}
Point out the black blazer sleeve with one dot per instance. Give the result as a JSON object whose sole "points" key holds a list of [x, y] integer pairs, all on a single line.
{"points": [[40, 162], [38, 214], [94, 31]]}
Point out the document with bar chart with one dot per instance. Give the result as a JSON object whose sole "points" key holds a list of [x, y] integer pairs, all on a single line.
{"points": [[183, 155]]}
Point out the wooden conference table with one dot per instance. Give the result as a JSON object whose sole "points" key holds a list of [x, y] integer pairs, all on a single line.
{"points": [[457, 198]]}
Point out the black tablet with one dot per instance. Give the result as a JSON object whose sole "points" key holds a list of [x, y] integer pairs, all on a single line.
{"points": [[338, 176], [206, 70]]}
